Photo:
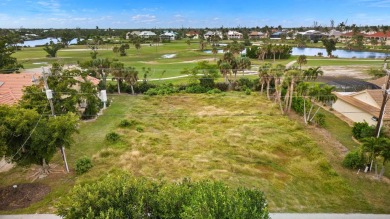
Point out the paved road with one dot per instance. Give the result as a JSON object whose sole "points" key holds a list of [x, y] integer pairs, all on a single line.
{"points": [[273, 216]]}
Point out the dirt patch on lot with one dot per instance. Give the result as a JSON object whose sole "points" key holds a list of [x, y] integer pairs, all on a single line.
{"points": [[352, 71], [22, 195]]}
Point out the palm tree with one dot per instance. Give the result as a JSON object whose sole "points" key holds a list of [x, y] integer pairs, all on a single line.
{"points": [[274, 50], [116, 69], [312, 73], [372, 146], [292, 75], [264, 76], [225, 68], [130, 75], [102, 67], [301, 61], [385, 153], [214, 51]]}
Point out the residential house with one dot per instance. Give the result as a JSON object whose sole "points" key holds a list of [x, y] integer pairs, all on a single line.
{"points": [[380, 36], [313, 35], [335, 34], [147, 34], [362, 106], [12, 85], [168, 35], [234, 35], [192, 34], [132, 33], [256, 35], [208, 34], [347, 36]]}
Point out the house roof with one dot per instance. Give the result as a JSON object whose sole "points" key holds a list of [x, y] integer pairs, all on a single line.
{"points": [[255, 33], [376, 95], [91, 79], [192, 32], [350, 34], [379, 81], [11, 86], [379, 34]]}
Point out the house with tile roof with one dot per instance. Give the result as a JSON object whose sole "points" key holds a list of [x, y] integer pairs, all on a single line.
{"points": [[12, 85], [234, 35], [362, 106], [380, 36]]}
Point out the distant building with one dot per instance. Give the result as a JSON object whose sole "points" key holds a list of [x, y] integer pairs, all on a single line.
{"points": [[168, 35], [192, 34], [256, 35], [132, 33], [335, 34], [208, 34], [380, 36], [234, 35], [313, 35], [147, 34], [277, 35]]}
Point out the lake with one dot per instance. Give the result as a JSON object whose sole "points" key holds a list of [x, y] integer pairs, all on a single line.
{"points": [[341, 53], [34, 43]]}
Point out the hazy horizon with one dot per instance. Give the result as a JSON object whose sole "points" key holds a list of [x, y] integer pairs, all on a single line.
{"points": [[116, 14]]}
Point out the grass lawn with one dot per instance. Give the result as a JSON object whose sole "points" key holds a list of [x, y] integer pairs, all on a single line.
{"points": [[239, 139]]}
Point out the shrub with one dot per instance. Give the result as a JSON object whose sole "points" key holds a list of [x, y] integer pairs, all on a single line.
{"points": [[112, 137], [120, 195], [206, 82], [245, 83], [222, 86], [362, 130], [83, 165], [126, 123], [142, 87], [319, 119], [214, 91], [162, 90], [196, 89], [139, 129], [248, 91], [353, 160], [298, 104]]}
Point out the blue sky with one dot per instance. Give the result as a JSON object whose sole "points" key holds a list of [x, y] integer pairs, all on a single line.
{"points": [[184, 13]]}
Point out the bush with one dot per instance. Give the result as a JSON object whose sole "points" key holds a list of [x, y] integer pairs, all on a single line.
{"points": [[362, 130], [112, 137], [139, 129], [245, 83], [162, 90], [298, 104], [222, 86], [214, 91], [120, 195], [353, 160], [319, 119], [126, 123], [142, 87], [83, 165], [207, 82], [248, 91], [196, 89]]}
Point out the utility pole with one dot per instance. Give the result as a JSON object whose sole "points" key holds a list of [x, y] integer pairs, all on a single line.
{"points": [[49, 95], [384, 101]]}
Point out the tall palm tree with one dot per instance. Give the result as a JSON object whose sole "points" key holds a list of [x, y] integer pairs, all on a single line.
{"points": [[130, 75], [274, 50], [117, 70], [215, 52], [225, 69], [264, 77], [292, 75], [373, 146], [312, 73], [102, 66], [301, 61]]}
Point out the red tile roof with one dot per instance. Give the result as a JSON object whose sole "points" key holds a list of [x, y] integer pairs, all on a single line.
{"points": [[11, 86], [379, 34], [91, 79]]}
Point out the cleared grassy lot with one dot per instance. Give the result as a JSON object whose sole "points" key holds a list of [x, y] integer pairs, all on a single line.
{"points": [[239, 139]]}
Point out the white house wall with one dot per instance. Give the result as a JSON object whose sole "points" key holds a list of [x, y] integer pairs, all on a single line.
{"points": [[366, 98], [353, 113]]}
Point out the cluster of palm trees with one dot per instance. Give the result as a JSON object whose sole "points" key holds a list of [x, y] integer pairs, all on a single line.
{"points": [[271, 51], [278, 78], [231, 64], [376, 149]]}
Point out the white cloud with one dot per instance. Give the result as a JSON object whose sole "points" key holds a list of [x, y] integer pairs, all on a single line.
{"points": [[376, 3], [143, 18]]}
